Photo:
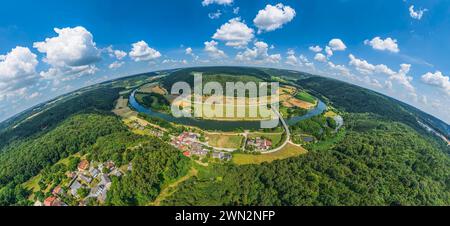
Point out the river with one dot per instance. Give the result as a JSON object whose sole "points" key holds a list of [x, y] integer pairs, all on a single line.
{"points": [[226, 126]]}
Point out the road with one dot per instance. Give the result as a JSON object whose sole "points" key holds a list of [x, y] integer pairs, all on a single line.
{"points": [[288, 134]]}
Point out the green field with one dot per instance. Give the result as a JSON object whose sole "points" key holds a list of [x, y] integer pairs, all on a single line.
{"points": [[306, 97], [225, 140], [288, 152]]}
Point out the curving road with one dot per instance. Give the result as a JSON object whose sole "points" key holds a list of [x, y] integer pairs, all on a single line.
{"points": [[288, 134]]}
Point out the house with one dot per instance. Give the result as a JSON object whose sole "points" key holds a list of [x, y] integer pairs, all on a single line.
{"points": [[222, 156], [110, 165], [83, 165], [52, 201], [187, 153], [58, 191], [97, 191], [105, 180], [74, 188], [101, 198], [201, 153], [85, 178], [94, 172], [130, 167]]}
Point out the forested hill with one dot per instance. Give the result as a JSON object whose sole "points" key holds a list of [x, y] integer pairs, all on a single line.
{"points": [[47, 117], [379, 162], [354, 99]]}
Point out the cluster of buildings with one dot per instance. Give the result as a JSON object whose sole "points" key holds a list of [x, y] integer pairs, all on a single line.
{"points": [[259, 144], [190, 145], [96, 179]]}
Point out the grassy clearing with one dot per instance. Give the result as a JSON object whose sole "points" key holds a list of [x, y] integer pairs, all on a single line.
{"points": [[288, 152], [304, 96], [330, 114], [168, 190], [224, 140]]}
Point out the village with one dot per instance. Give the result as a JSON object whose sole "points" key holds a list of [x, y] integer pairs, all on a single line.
{"points": [[91, 181], [190, 144]]}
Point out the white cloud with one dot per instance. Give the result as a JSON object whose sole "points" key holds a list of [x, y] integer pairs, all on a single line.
{"points": [[329, 51], [17, 71], [320, 57], [219, 2], [215, 15], [258, 54], [273, 17], [118, 54], [116, 64], [298, 61], [291, 59], [388, 44], [416, 14], [337, 45], [342, 69], [142, 52], [72, 52], [235, 33], [316, 49], [400, 77], [188, 51], [437, 79], [213, 51]]}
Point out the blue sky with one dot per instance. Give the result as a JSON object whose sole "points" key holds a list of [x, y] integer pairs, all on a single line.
{"points": [[386, 46]]}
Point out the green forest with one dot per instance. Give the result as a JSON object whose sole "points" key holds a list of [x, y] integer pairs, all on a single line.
{"points": [[381, 164]]}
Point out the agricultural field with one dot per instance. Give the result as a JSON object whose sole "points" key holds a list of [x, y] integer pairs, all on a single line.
{"points": [[289, 151], [223, 140]]}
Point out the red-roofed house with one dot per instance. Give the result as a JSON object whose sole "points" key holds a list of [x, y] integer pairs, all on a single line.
{"points": [[49, 201], [83, 165]]}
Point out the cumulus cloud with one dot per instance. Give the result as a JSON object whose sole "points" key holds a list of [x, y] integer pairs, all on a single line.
{"points": [[17, 71], [437, 79], [291, 59], [416, 14], [235, 33], [298, 61], [118, 54], [401, 77], [142, 52], [273, 17], [320, 57], [337, 45], [387, 44], [213, 51], [258, 54], [72, 52], [316, 49], [329, 51], [219, 2], [341, 69]]}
